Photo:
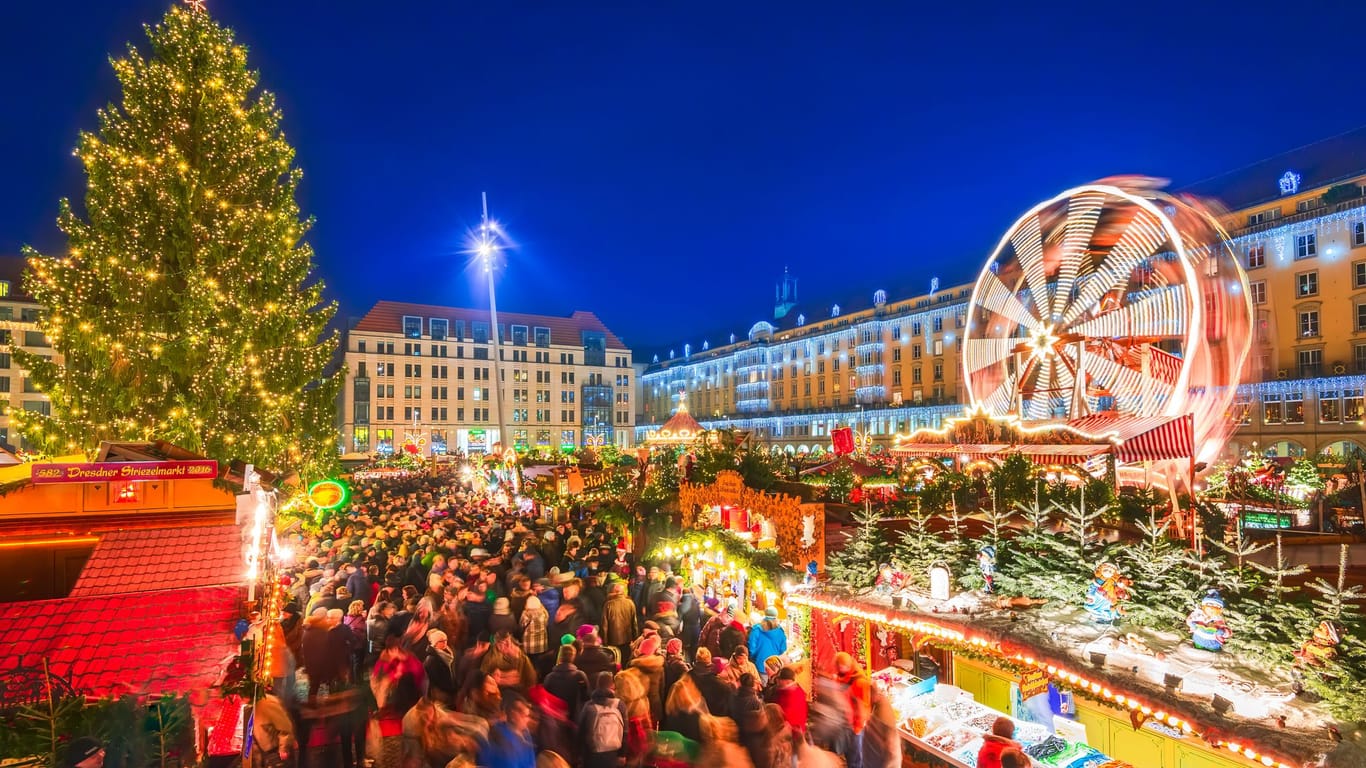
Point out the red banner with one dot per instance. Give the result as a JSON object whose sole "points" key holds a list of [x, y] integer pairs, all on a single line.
{"points": [[842, 440], [111, 471]]}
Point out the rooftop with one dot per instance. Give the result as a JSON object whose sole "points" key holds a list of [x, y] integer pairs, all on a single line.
{"points": [[151, 559], [139, 643], [387, 317], [1320, 164]]}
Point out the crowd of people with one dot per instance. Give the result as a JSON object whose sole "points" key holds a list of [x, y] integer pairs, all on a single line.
{"points": [[432, 624]]}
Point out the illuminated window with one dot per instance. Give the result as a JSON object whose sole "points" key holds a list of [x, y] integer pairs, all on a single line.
{"points": [[1257, 291], [1256, 256], [1294, 408], [4, 287], [1330, 407], [360, 439], [412, 327]]}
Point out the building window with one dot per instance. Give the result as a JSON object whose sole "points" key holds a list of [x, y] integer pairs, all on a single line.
{"points": [[35, 339], [1351, 405], [938, 347], [1257, 291], [360, 345], [1359, 274], [1359, 353], [384, 440], [1330, 407], [519, 337], [1306, 246], [1256, 256], [1307, 284], [915, 376], [4, 383], [480, 331], [1294, 408], [939, 323], [360, 440], [1309, 324], [42, 407], [1311, 363], [4, 287], [412, 327], [938, 371], [1273, 411], [542, 336], [1361, 317], [438, 327], [4, 360], [1358, 234]]}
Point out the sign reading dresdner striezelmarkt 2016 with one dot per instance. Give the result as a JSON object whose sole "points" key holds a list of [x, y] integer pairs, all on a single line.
{"points": [[105, 471]]}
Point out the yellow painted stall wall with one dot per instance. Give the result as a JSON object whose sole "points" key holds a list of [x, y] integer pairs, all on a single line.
{"points": [[1107, 729]]}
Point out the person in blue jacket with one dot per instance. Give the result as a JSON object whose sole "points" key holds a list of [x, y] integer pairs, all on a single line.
{"points": [[766, 639], [510, 743]]}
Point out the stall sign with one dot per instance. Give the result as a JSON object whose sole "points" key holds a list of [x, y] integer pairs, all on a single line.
{"points": [[1032, 683], [106, 471]]}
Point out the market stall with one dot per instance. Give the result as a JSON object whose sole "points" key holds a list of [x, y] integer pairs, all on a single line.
{"points": [[1080, 697]]}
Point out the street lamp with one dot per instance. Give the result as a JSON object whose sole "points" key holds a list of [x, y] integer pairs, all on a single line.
{"points": [[487, 247]]}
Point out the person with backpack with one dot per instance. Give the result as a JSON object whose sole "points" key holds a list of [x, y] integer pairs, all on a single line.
{"points": [[602, 725]]}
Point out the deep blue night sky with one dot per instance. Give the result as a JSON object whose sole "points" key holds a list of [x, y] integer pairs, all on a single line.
{"points": [[659, 163]]}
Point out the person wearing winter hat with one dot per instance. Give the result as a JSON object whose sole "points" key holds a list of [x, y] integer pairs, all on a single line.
{"points": [[502, 619], [594, 658], [650, 665], [675, 665], [767, 640]]}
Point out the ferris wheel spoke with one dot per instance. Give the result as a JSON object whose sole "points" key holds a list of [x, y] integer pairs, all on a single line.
{"points": [[997, 298], [1158, 313], [1142, 238], [1083, 211], [1134, 391], [1000, 399], [981, 353], [1028, 243]]}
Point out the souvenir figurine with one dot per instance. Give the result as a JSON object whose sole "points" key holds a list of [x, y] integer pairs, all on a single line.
{"points": [[811, 569], [1208, 628], [1322, 647], [1106, 595], [986, 563], [889, 580]]}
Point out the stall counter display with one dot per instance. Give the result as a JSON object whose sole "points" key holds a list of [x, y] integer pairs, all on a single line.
{"points": [[945, 721]]}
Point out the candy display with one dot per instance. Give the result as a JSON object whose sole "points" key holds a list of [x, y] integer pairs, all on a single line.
{"points": [[948, 721]]}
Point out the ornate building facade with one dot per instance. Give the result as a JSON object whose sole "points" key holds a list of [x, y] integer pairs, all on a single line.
{"points": [[1296, 221]]}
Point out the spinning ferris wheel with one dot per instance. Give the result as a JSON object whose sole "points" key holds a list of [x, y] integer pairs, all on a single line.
{"points": [[1109, 298]]}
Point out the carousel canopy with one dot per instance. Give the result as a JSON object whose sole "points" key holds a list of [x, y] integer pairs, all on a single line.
{"points": [[680, 428]]}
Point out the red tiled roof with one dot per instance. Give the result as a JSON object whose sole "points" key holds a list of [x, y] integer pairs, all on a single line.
{"points": [[144, 643], [163, 558], [387, 317]]}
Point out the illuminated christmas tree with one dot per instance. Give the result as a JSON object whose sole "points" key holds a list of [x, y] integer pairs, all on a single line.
{"points": [[184, 307]]}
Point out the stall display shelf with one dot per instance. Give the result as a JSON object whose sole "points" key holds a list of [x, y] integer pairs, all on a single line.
{"points": [[947, 722]]}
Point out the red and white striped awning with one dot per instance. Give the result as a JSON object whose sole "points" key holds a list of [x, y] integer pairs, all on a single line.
{"points": [[1143, 438]]}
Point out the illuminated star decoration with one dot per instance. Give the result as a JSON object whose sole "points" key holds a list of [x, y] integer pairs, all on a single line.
{"points": [[195, 5]]}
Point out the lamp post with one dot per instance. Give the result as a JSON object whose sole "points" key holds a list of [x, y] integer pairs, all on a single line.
{"points": [[487, 247]]}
